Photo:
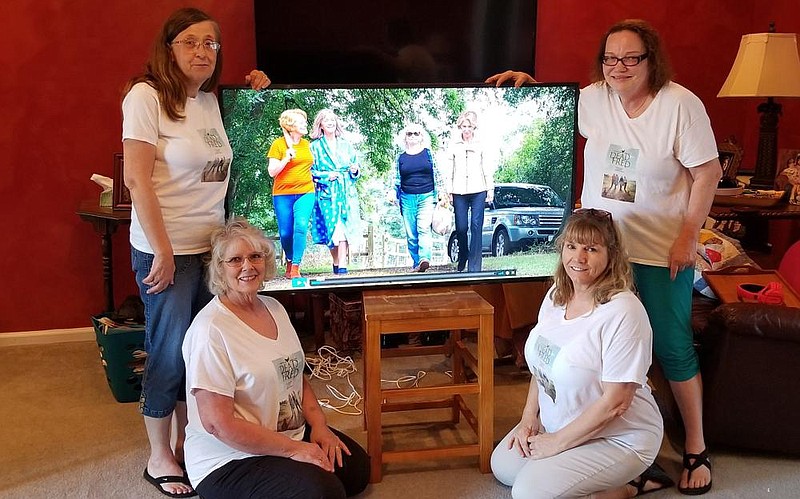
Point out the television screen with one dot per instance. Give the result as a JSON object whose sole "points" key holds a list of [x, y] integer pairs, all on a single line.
{"points": [[527, 136], [394, 41]]}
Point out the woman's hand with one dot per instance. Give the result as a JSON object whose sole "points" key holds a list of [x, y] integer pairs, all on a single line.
{"points": [[162, 274], [288, 155], [334, 176], [312, 454], [516, 77], [522, 435], [258, 80], [543, 445], [330, 444], [682, 254]]}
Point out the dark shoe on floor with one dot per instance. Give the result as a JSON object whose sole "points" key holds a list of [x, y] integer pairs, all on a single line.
{"points": [[158, 482], [691, 462], [423, 265], [655, 476]]}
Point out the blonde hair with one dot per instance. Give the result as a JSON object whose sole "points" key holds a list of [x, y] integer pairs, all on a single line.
{"points": [[593, 227], [289, 119], [470, 117], [316, 128], [222, 237], [413, 127]]}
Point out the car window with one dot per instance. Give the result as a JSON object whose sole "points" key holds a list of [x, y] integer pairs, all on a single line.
{"points": [[509, 197]]}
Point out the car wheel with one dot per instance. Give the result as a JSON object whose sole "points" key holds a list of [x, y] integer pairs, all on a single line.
{"points": [[500, 245], [452, 248]]}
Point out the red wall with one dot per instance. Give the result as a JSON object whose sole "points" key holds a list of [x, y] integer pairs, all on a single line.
{"points": [[60, 94]]}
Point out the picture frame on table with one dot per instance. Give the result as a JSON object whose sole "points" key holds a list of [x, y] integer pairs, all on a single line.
{"points": [[730, 157], [120, 195]]}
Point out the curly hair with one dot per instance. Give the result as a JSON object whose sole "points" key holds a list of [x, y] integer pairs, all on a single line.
{"points": [[658, 66], [221, 238], [162, 72], [288, 119], [589, 226]]}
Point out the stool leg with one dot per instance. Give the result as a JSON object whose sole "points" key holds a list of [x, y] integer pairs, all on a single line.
{"points": [[372, 391], [486, 395], [458, 370]]}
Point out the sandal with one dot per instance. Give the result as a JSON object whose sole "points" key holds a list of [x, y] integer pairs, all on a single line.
{"points": [[691, 462], [653, 474]]}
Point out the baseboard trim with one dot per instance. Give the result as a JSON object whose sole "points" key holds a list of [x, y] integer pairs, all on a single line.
{"points": [[46, 336]]}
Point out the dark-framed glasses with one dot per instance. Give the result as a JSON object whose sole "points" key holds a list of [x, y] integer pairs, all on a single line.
{"points": [[627, 61], [593, 213], [192, 44], [236, 262], [413, 134]]}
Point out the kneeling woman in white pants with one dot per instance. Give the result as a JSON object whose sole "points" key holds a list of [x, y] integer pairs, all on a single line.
{"points": [[590, 424]]}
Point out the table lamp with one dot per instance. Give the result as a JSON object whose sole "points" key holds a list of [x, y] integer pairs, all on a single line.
{"points": [[767, 65]]}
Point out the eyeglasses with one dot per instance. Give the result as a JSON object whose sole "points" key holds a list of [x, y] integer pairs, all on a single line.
{"points": [[411, 134], [192, 44], [593, 213], [627, 61], [236, 262]]}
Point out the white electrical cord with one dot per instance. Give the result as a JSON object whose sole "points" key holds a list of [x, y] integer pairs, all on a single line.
{"points": [[325, 366]]}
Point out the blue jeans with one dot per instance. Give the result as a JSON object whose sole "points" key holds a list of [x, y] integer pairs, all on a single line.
{"points": [[474, 204], [417, 211], [167, 317], [293, 212]]}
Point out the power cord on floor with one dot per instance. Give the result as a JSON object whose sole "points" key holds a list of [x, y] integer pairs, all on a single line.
{"points": [[327, 364]]}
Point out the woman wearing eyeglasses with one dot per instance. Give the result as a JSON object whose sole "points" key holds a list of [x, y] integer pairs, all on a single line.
{"points": [[415, 185], [656, 134], [177, 158], [469, 180], [590, 426], [255, 426]]}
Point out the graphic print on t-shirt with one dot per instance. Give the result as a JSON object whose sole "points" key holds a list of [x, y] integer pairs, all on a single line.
{"points": [[290, 414], [215, 170], [546, 352], [619, 178]]}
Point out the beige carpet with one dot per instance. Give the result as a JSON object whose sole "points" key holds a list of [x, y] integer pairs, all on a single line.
{"points": [[62, 434]]}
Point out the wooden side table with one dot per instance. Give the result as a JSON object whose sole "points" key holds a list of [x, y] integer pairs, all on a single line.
{"points": [[105, 222], [411, 311]]}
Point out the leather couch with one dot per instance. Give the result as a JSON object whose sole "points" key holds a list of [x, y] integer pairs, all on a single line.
{"points": [[750, 360]]}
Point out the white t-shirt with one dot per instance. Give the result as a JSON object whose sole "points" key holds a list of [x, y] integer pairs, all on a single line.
{"points": [[637, 168], [191, 171], [264, 377], [571, 358]]}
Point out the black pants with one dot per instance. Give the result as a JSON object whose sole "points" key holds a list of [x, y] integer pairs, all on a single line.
{"points": [[469, 216], [282, 478]]}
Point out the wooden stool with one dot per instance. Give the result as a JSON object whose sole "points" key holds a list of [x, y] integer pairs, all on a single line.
{"points": [[413, 311]]}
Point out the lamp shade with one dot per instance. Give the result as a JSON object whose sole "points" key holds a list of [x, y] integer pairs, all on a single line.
{"points": [[767, 65]]}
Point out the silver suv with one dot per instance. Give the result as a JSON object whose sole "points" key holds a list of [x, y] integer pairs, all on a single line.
{"points": [[520, 215]]}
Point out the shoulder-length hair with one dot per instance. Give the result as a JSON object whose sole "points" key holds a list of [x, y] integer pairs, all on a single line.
{"points": [[400, 140], [236, 229], [316, 128], [162, 72], [658, 67], [593, 227]]}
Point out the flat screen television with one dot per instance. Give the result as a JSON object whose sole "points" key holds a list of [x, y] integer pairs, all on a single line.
{"points": [[529, 131], [394, 41]]}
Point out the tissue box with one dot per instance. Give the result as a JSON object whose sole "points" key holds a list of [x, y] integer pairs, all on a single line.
{"points": [[105, 199], [122, 355]]}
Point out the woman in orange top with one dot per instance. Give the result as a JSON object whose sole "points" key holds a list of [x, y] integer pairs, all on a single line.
{"points": [[292, 191]]}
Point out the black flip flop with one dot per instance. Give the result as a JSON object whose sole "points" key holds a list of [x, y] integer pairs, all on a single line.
{"points": [[699, 460], [159, 481], [654, 474]]}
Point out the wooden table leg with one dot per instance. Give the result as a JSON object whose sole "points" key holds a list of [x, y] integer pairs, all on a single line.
{"points": [[372, 391], [486, 396]]}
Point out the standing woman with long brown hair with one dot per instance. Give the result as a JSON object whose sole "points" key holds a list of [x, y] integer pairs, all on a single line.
{"points": [[177, 160]]}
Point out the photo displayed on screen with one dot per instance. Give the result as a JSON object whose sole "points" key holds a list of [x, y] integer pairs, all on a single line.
{"points": [[398, 173]]}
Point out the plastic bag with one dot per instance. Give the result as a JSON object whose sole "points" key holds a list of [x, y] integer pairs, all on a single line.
{"points": [[442, 222]]}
